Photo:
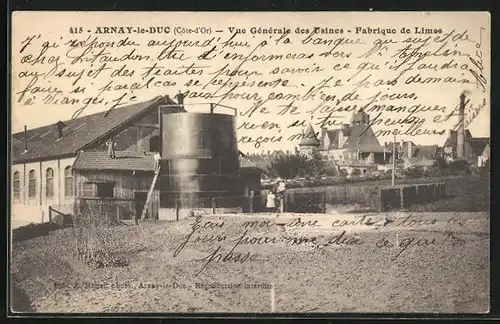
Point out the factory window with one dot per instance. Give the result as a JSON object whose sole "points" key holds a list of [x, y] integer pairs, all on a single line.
{"points": [[105, 189], [32, 184], [68, 182], [17, 185], [154, 144], [49, 183]]}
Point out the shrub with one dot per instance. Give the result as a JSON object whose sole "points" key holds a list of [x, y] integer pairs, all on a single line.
{"points": [[355, 172], [444, 168], [414, 172], [91, 238], [485, 170], [459, 166], [289, 166]]}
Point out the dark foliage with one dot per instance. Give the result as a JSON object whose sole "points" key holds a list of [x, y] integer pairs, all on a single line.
{"points": [[290, 166]]}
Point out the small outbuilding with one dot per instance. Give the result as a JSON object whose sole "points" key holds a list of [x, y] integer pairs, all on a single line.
{"points": [[115, 187]]}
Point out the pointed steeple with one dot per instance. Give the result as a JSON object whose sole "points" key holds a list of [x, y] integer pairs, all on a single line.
{"points": [[310, 138]]}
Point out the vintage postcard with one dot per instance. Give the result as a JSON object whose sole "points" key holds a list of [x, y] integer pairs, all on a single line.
{"points": [[250, 162]]}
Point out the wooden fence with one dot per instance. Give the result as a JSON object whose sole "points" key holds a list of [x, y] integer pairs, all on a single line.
{"points": [[315, 199], [404, 196], [205, 206]]}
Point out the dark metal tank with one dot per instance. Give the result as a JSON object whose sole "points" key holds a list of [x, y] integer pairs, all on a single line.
{"points": [[199, 160]]}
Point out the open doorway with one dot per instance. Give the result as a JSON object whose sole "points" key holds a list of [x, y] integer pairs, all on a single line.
{"points": [[139, 202]]}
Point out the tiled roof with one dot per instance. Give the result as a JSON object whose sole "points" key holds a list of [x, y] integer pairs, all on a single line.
{"points": [[479, 143], [364, 139], [79, 132], [360, 135], [452, 138], [124, 160]]}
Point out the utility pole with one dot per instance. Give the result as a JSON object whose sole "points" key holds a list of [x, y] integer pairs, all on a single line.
{"points": [[394, 160]]}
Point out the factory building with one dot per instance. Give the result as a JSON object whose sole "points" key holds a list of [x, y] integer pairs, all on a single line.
{"points": [[153, 154], [461, 145]]}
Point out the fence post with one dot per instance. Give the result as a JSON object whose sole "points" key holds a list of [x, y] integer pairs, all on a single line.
{"points": [[213, 206], [176, 202], [380, 201], [402, 197], [323, 202], [136, 219], [251, 201]]}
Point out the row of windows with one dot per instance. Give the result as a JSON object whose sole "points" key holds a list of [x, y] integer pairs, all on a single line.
{"points": [[49, 183]]}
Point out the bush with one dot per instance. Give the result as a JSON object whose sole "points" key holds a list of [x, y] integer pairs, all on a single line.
{"points": [[443, 168], [91, 238], [413, 172], [485, 170], [290, 166], [460, 166]]}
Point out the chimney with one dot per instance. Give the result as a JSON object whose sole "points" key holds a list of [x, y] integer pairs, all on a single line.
{"points": [[410, 153], [60, 126], [323, 132], [25, 138], [461, 127]]}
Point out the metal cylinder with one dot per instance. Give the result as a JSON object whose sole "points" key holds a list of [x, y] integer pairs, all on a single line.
{"points": [[199, 159]]}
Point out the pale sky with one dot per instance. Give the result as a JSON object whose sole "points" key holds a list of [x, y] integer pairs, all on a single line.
{"points": [[54, 28]]}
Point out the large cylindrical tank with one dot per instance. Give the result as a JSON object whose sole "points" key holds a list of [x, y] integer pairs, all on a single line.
{"points": [[199, 159]]}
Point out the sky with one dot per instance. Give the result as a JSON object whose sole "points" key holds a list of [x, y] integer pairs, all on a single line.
{"points": [[349, 37]]}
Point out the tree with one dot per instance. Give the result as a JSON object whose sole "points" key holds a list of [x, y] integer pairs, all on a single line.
{"points": [[414, 172], [485, 170], [317, 165], [289, 166]]}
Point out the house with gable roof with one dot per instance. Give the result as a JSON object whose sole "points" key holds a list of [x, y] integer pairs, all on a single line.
{"points": [[354, 145]]}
